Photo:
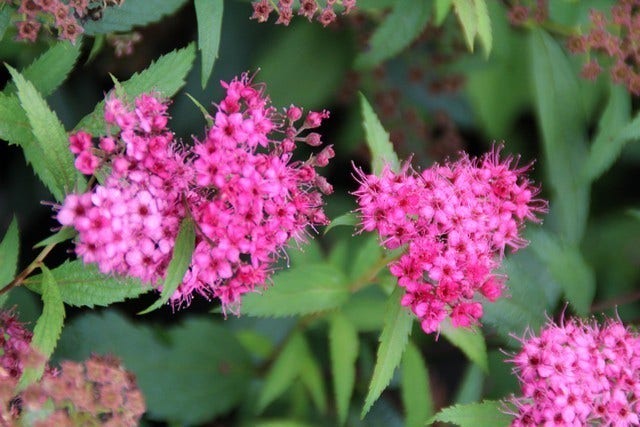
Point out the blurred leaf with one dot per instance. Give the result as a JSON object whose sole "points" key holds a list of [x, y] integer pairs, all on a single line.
{"points": [[485, 414], [165, 75], [415, 388], [96, 47], [402, 26], [51, 138], [284, 370], [180, 261], [83, 285], [382, 152], [349, 219], [281, 423], [203, 110], [311, 377], [255, 343], [469, 340], [393, 340], [442, 8], [5, 20], [301, 290], [65, 233], [343, 347], [466, 12], [364, 307], [48, 328], [132, 13], [9, 251], [635, 213], [484, 26], [369, 253], [563, 129], [209, 16], [301, 253], [471, 385]]}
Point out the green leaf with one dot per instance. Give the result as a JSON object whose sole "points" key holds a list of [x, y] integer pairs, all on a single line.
{"points": [[343, 348], [568, 268], [469, 340], [9, 251], [471, 385], [442, 8], [614, 132], [311, 377], [485, 414], [66, 233], [309, 252], [209, 15], [349, 219], [203, 110], [166, 75], [484, 26], [300, 290], [393, 340], [49, 70], [382, 151], [83, 285], [557, 99], [48, 327], [363, 309], [369, 254], [402, 26], [132, 13], [180, 261], [466, 12], [285, 369], [415, 389], [635, 213], [5, 20]]}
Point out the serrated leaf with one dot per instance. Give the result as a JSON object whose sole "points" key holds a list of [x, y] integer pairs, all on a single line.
{"points": [[466, 13], [393, 340], [382, 151], [442, 8], [9, 251], [469, 340], [415, 388], [50, 135], [48, 327], [557, 100], [403, 25], [343, 349], [485, 414], [166, 75], [64, 234], [83, 285], [50, 69], [285, 369], [349, 219], [180, 261], [484, 26], [209, 16], [614, 132], [312, 379], [300, 290], [132, 13]]}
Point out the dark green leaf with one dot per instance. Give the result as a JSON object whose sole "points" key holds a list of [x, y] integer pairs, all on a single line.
{"points": [[442, 8], [363, 309], [209, 15], [485, 414], [82, 285], [349, 219], [64, 234], [302, 290], [415, 388], [471, 385], [635, 213], [9, 251], [382, 152], [466, 12], [311, 377], [5, 20], [484, 25], [131, 14], [393, 340], [343, 348], [96, 47], [403, 25], [180, 261], [366, 260], [203, 110], [469, 340]]}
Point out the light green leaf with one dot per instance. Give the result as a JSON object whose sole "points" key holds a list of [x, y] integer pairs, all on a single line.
{"points": [[469, 340], [311, 377], [403, 25], [485, 414], [393, 340], [309, 252], [82, 285], [349, 219], [368, 255], [203, 110], [180, 261], [62, 235], [415, 388], [132, 13], [382, 152], [300, 290], [285, 369], [9, 251], [471, 385], [484, 26], [209, 15], [343, 348], [557, 99], [166, 75], [442, 8], [466, 12], [48, 327]]}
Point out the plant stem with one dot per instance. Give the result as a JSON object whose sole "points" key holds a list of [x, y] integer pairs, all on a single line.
{"points": [[613, 302], [368, 276], [36, 263]]}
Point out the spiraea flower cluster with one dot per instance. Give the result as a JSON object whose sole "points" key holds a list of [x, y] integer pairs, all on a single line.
{"points": [[523, 11], [240, 184], [455, 221], [308, 8], [579, 374], [616, 38]]}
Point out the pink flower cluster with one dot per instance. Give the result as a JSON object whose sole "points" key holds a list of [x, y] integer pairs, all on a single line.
{"points": [[308, 8], [455, 220], [246, 194], [578, 374]]}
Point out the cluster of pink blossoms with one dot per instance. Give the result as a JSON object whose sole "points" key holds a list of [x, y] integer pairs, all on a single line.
{"points": [[455, 220], [308, 8], [246, 194], [579, 374]]}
